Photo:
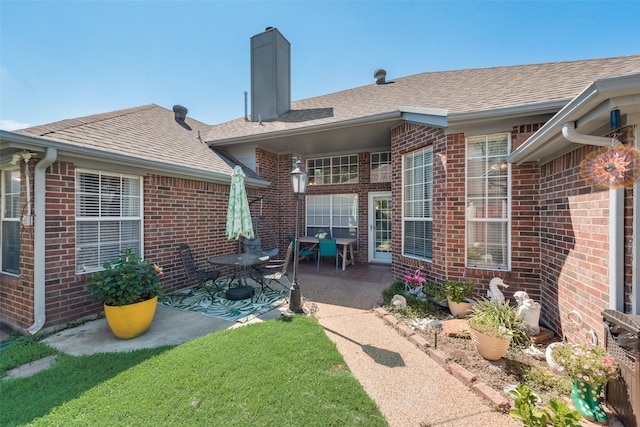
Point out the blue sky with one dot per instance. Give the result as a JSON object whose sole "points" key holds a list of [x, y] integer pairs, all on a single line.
{"points": [[67, 59]]}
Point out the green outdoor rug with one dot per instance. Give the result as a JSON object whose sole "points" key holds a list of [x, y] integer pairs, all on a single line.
{"points": [[221, 308]]}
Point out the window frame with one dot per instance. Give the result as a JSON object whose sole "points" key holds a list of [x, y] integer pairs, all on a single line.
{"points": [[133, 222], [312, 227], [5, 219], [375, 176], [331, 167], [487, 201], [427, 205]]}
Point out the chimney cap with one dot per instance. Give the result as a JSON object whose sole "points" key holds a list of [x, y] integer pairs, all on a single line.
{"points": [[180, 112], [379, 75]]}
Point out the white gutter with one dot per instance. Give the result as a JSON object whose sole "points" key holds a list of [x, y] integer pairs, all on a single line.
{"points": [[616, 220], [569, 132], [39, 196]]}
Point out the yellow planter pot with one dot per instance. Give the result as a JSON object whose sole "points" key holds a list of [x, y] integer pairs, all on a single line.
{"points": [[130, 321], [489, 347]]}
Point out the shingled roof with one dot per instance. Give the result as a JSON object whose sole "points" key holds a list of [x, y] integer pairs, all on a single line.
{"points": [[149, 132], [458, 92]]}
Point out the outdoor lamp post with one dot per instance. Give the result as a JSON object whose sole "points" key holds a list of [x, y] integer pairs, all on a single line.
{"points": [[299, 179]]}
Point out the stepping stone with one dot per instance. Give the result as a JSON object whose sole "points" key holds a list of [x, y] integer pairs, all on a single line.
{"points": [[31, 368], [455, 328]]}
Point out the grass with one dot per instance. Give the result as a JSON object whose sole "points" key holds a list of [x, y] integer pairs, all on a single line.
{"points": [[271, 373]]}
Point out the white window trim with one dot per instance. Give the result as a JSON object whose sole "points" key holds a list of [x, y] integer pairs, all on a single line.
{"points": [[140, 218], [3, 218], [357, 177], [508, 220], [371, 163], [402, 202], [331, 226]]}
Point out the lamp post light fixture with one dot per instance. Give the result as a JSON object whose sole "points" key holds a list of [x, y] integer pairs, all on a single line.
{"points": [[299, 180]]}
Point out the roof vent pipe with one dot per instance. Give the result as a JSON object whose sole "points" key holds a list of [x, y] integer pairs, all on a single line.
{"points": [[569, 132], [180, 112], [380, 76]]}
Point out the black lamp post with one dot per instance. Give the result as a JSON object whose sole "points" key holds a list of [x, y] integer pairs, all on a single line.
{"points": [[299, 180]]}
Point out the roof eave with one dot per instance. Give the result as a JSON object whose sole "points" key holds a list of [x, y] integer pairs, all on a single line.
{"points": [[549, 137], [25, 142], [376, 118]]}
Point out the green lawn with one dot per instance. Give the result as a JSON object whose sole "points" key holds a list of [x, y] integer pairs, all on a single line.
{"points": [[275, 373]]}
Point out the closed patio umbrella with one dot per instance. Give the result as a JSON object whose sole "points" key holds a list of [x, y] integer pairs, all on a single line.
{"points": [[238, 215]]}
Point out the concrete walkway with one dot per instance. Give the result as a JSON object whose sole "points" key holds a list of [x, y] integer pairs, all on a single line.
{"points": [[409, 387]]}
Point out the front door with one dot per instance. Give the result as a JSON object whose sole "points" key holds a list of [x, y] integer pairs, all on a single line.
{"points": [[380, 227]]}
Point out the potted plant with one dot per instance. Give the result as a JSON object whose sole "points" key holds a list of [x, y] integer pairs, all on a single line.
{"points": [[492, 327], [321, 234], [128, 289], [457, 297], [590, 367]]}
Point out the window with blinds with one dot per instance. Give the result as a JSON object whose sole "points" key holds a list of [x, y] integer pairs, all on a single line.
{"points": [[11, 211], [417, 202], [108, 217], [488, 224], [337, 214]]}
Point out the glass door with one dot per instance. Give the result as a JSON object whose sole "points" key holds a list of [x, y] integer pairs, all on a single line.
{"points": [[380, 227]]}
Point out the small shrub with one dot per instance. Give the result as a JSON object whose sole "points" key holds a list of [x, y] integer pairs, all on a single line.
{"points": [[526, 409], [457, 291]]}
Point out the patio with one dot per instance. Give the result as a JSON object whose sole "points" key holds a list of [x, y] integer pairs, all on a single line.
{"points": [[359, 287]]}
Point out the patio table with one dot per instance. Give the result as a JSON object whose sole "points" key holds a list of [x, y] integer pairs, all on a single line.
{"points": [[240, 263], [345, 243]]}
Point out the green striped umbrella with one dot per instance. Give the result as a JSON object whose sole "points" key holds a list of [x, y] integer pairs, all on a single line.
{"points": [[238, 215]]}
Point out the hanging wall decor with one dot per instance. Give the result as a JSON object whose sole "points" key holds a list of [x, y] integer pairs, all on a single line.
{"points": [[611, 167]]}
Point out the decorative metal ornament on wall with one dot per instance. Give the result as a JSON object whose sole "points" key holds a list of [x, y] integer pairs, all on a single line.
{"points": [[611, 167]]}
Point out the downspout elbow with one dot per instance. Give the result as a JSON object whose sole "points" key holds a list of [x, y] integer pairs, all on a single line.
{"points": [[39, 184], [569, 132]]}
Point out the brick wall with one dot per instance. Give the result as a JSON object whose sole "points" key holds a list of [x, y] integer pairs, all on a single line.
{"points": [[176, 211], [449, 213], [362, 188], [16, 293], [575, 244]]}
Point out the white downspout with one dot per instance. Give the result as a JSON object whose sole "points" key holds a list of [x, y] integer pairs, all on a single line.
{"points": [[616, 220], [39, 196]]}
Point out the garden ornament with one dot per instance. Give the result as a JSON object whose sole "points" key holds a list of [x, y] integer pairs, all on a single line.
{"points": [[398, 301], [529, 312], [414, 283], [494, 293]]}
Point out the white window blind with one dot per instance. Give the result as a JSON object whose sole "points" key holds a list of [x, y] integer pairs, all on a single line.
{"points": [[10, 231], [417, 202], [108, 217], [337, 214], [488, 202]]}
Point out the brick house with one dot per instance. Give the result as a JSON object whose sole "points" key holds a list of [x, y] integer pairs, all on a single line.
{"points": [[460, 173]]}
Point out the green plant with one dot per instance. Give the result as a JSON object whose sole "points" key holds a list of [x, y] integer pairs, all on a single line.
{"points": [[498, 320], [457, 291], [128, 280], [526, 409], [434, 290], [586, 362]]}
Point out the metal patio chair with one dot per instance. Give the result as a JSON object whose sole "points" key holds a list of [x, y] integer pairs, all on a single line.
{"points": [[193, 273], [275, 270]]}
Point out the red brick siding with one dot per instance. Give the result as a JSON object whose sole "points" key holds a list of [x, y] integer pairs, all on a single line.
{"points": [[16, 293], [575, 244], [176, 211], [449, 213]]}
